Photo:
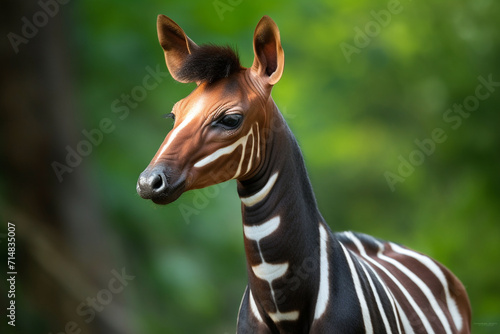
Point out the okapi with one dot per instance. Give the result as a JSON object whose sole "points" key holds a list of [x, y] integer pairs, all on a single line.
{"points": [[230, 128]]}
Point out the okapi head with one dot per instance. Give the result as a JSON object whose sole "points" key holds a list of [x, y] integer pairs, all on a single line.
{"points": [[220, 128]]}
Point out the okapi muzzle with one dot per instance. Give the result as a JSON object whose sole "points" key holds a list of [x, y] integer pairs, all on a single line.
{"points": [[217, 134]]}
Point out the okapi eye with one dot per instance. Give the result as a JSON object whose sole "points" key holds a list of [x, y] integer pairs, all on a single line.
{"points": [[231, 121]]}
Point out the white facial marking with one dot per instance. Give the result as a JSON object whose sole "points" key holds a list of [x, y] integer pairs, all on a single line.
{"points": [[220, 152], [231, 148], [243, 151], [258, 142], [257, 232], [195, 111], [359, 292], [249, 164], [225, 150], [324, 284], [261, 194]]}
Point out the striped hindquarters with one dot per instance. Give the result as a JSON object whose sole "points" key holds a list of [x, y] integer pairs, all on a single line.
{"points": [[402, 291]]}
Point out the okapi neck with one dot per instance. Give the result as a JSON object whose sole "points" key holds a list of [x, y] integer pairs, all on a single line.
{"points": [[291, 195], [280, 225]]}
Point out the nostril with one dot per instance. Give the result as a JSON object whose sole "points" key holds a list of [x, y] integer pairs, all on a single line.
{"points": [[158, 183], [153, 183]]}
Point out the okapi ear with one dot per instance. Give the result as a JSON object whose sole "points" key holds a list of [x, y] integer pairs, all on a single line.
{"points": [[269, 58], [176, 44]]}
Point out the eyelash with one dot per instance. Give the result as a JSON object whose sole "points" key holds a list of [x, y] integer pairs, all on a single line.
{"points": [[169, 115]]}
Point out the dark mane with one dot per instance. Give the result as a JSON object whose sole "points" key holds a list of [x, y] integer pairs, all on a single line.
{"points": [[209, 63]]}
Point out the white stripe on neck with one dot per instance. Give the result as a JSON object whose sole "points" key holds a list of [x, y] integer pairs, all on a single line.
{"points": [[261, 194], [287, 316], [253, 307], [324, 282], [257, 232], [270, 272]]}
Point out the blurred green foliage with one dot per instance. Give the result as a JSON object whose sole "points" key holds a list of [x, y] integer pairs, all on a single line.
{"points": [[353, 117]]}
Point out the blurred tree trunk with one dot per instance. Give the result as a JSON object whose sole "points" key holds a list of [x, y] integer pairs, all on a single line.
{"points": [[62, 252]]}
